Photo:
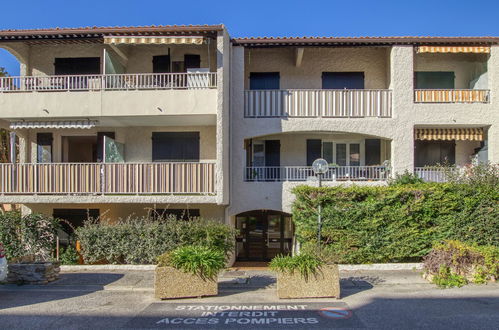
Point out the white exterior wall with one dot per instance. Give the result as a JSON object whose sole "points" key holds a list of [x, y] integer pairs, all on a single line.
{"points": [[392, 68], [114, 212], [137, 140]]}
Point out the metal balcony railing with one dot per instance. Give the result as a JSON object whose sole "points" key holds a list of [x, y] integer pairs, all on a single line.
{"points": [[318, 103], [135, 81], [107, 178], [304, 173]]}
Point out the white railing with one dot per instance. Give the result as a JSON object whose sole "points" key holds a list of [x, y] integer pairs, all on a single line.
{"points": [[304, 173], [109, 178], [318, 103], [451, 95], [109, 82], [434, 173]]}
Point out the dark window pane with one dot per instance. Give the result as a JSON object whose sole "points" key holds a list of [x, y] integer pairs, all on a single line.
{"points": [[192, 61], [264, 80], [354, 154], [313, 151], [175, 146], [77, 65], [44, 147], [434, 80], [341, 154], [343, 80], [373, 152], [161, 64]]}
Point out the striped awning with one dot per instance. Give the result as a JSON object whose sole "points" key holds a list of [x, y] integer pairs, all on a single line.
{"points": [[453, 49], [134, 40], [448, 134], [78, 124]]}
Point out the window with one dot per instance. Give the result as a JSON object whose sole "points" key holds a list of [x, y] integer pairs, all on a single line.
{"points": [[434, 80], [77, 65], [373, 152], [264, 80], [175, 146], [179, 214], [354, 154], [161, 64], [343, 80], [430, 153], [192, 61], [341, 154], [44, 147], [314, 150]]}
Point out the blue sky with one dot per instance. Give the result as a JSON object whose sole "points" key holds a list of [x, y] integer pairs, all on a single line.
{"points": [[262, 18]]}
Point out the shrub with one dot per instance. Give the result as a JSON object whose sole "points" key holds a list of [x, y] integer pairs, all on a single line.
{"points": [[306, 264], [454, 263], [405, 178], [199, 260], [69, 256], [32, 235], [395, 223], [141, 240]]}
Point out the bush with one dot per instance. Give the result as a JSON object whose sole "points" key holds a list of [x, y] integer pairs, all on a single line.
{"points": [[199, 260], [69, 256], [32, 235], [306, 264], [396, 223], [142, 240], [405, 178], [454, 263]]}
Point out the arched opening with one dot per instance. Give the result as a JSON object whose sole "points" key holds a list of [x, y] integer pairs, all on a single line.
{"points": [[263, 234], [9, 62]]}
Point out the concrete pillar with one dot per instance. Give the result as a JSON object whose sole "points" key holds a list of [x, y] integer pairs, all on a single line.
{"points": [[222, 136], [493, 131], [402, 85]]}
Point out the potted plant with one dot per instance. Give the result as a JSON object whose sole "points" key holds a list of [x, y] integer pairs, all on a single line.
{"points": [[188, 271], [305, 276]]}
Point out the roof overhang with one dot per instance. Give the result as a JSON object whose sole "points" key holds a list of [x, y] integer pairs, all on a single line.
{"points": [[362, 41], [98, 33], [72, 124]]}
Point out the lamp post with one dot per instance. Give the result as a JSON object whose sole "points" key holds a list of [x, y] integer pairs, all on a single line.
{"points": [[320, 167]]}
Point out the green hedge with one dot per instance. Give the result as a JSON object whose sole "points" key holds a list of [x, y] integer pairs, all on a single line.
{"points": [[32, 235], [142, 240], [396, 223]]}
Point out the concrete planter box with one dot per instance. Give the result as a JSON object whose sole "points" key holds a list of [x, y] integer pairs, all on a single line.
{"points": [[171, 283], [325, 284], [33, 272]]}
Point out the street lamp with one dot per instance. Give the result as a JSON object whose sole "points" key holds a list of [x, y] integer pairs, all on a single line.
{"points": [[320, 167]]}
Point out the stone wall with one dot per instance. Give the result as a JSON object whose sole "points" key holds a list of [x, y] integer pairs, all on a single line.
{"points": [[33, 273]]}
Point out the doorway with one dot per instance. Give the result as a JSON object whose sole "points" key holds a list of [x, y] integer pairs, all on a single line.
{"points": [[79, 149], [263, 235]]}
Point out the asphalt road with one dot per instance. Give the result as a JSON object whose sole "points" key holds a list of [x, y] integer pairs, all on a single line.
{"points": [[390, 300]]}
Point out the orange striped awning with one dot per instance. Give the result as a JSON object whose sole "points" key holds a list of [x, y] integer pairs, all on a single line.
{"points": [[448, 134], [453, 49]]}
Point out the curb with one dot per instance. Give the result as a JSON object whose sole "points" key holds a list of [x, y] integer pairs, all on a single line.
{"points": [[393, 266]]}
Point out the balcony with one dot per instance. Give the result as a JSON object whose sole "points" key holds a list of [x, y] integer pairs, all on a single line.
{"points": [[136, 81], [108, 178], [305, 173], [435, 173], [318, 103], [451, 96]]}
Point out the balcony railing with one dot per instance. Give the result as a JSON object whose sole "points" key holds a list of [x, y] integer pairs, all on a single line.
{"points": [[304, 173], [109, 178], [109, 82], [435, 173], [451, 95], [317, 103]]}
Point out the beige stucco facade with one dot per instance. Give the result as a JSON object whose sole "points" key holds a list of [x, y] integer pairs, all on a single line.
{"points": [[218, 114]]}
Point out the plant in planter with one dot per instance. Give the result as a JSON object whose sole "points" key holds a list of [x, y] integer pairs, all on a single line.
{"points": [[188, 271], [305, 276]]}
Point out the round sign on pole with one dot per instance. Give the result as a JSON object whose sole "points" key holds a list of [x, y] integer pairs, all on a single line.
{"points": [[320, 166]]}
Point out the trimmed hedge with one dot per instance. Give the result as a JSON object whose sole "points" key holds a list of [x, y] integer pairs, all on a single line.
{"points": [[396, 223], [142, 240], [32, 236]]}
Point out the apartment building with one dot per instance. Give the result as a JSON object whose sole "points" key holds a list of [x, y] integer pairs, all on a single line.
{"points": [[185, 120]]}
